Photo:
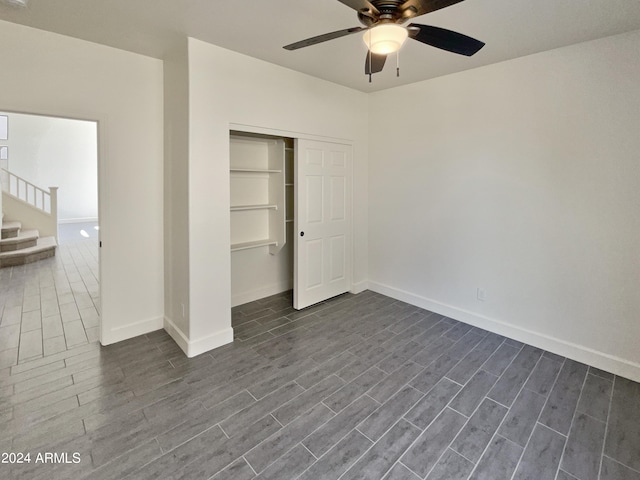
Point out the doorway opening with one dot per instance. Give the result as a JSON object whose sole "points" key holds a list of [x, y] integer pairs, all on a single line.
{"points": [[52, 304]]}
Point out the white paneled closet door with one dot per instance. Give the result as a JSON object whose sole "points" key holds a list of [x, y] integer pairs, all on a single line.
{"points": [[322, 246]]}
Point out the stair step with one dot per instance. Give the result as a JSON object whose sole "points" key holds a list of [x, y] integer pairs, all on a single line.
{"points": [[45, 247], [10, 229], [24, 239]]}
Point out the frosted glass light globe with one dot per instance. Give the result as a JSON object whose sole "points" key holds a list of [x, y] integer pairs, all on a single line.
{"points": [[386, 38]]}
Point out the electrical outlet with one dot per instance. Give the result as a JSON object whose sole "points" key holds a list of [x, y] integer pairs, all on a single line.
{"points": [[481, 294]]}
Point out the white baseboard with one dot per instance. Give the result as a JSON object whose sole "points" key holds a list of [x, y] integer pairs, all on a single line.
{"points": [[205, 344], [177, 334], [359, 287], [246, 297], [135, 329], [78, 220], [580, 353], [192, 348]]}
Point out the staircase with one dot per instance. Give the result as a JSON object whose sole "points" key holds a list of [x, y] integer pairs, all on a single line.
{"points": [[35, 206], [18, 246]]}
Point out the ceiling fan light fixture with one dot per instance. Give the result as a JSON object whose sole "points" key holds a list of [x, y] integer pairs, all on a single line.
{"points": [[386, 38]]}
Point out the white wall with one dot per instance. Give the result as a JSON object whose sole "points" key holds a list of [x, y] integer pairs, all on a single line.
{"points": [[225, 88], [520, 178], [59, 152], [4, 134], [50, 74], [176, 193]]}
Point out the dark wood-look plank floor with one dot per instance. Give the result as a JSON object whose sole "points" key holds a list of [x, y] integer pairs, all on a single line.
{"points": [[360, 386]]}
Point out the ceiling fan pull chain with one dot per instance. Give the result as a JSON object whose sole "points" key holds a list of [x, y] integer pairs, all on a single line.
{"points": [[370, 64], [398, 63]]}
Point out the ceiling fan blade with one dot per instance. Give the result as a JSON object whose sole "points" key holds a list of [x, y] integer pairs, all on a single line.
{"points": [[374, 63], [415, 8], [363, 6], [323, 38], [445, 39]]}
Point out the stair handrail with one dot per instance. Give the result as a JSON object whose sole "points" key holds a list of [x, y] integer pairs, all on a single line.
{"points": [[19, 188]]}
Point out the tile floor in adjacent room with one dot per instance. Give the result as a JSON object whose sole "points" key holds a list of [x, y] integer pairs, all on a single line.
{"points": [[360, 386], [52, 305]]}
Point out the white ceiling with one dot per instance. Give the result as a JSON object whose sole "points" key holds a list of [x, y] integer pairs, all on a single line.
{"points": [[259, 28]]}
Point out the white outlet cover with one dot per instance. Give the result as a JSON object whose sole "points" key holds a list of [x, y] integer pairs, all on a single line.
{"points": [[481, 294]]}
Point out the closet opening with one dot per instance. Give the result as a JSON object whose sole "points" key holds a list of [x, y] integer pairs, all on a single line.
{"points": [[262, 192], [290, 220]]}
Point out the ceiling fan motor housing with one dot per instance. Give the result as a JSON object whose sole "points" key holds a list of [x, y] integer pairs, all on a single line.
{"points": [[388, 11]]}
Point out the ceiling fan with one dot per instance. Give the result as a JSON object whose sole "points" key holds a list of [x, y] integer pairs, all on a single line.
{"points": [[384, 32]]}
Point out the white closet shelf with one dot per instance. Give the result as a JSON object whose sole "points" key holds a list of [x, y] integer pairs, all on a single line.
{"points": [[242, 208], [257, 165], [254, 170], [255, 244]]}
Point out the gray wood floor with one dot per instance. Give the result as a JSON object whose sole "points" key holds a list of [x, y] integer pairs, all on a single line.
{"points": [[52, 305], [361, 386]]}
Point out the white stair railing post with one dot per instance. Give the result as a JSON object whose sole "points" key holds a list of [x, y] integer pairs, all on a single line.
{"points": [[53, 199]]}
